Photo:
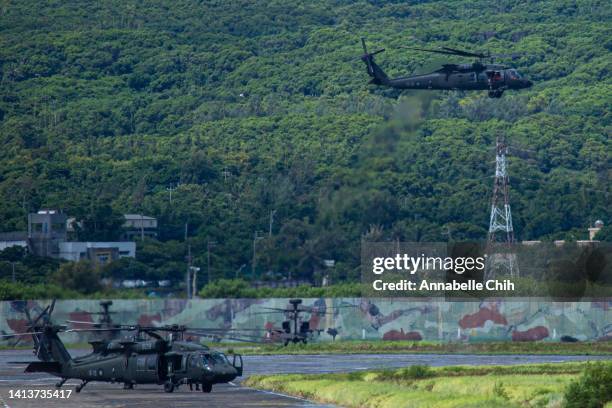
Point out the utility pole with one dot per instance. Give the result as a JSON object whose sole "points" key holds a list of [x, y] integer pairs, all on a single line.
{"points": [[194, 285], [141, 227], [239, 270], [256, 237], [188, 277], [501, 230], [272, 214], [209, 245], [226, 174], [170, 190], [188, 280]]}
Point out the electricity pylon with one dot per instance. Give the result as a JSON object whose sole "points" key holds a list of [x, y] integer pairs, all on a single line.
{"points": [[501, 231]]}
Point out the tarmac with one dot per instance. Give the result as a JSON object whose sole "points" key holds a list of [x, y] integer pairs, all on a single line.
{"points": [[234, 394]]}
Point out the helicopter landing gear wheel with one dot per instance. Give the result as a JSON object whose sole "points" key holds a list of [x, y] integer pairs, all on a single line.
{"points": [[496, 93], [206, 387], [168, 386], [79, 387]]}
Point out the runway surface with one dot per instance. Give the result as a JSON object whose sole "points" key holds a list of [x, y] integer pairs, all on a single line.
{"points": [[232, 395]]}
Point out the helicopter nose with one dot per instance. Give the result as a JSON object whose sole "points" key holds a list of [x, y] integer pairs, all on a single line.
{"points": [[527, 83]]}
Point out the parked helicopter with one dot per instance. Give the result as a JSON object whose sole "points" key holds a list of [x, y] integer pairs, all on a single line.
{"points": [[105, 321], [132, 360], [296, 330], [477, 75]]}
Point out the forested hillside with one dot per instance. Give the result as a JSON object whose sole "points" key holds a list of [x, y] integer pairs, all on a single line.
{"points": [[250, 107]]}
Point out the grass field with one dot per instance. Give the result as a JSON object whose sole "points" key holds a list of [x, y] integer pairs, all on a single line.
{"points": [[400, 347], [537, 385], [397, 347]]}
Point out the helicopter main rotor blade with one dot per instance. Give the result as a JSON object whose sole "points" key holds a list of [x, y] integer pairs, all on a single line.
{"points": [[40, 315], [220, 330], [88, 330], [52, 307], [81, 322], [466, 53], [434, 51], [449, 51], [21, 334], [277, 309]]}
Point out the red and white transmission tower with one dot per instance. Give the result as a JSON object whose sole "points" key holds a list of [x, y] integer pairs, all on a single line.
{"points": [[501, 231]]}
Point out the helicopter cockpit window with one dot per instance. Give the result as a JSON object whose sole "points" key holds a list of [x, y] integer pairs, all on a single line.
{"points": [[514, 74], [219, 358]]}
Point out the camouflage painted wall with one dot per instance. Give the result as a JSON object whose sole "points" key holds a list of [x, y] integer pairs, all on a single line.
{"points": [[358, 318]]}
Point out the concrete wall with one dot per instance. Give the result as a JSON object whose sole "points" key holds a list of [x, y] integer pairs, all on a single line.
{"points": [[433, 319]]}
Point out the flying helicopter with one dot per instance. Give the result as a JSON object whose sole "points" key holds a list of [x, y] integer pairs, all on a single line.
{"points": [[142, 358], [477, 75]]}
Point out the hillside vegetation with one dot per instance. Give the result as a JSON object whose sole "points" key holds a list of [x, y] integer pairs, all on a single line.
{"points": [[249, 107]]}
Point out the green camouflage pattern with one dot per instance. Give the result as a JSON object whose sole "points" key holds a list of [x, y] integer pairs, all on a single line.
{"points": [[354, 318]]}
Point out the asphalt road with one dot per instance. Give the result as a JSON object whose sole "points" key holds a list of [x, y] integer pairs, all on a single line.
{"points": [[230, 395]]}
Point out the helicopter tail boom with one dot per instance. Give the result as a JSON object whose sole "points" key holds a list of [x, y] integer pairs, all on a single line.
{"points": [[51, 367], [378, 75]]}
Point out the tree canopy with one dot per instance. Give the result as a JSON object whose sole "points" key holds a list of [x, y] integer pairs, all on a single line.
{"points": [[248, 108]]}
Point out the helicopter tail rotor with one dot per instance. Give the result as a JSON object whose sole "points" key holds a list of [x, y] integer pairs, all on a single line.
{"points": [[378, 75]]}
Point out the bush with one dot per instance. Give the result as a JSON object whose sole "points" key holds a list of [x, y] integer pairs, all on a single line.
{"points": [[414, 372], [81, 276], [593, 389], [500, 391], [239, 288], [20, 291]]}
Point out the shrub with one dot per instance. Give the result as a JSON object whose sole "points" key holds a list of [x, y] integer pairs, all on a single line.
{"points": [[80, 276], [593, 389], [500, 391]]}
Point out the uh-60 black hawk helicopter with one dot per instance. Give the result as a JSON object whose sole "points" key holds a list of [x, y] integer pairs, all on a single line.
{"points": [[495, 78], [143, 358]]}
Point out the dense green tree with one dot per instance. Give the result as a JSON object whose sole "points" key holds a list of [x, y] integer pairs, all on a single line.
{"points": [[80, 276], [213, 117]]}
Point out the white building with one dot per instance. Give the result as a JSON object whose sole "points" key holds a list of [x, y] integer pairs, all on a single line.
{"points": [[97, 252], [139, 226], [10, 239]]}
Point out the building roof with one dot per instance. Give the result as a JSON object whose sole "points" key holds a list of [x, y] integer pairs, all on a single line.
{"points": [[137, 217], [14, 236]]}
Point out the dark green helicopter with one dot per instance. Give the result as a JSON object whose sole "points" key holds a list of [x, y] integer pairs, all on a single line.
{"points": [[144, 358], [295, 329], [477, 75]]}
